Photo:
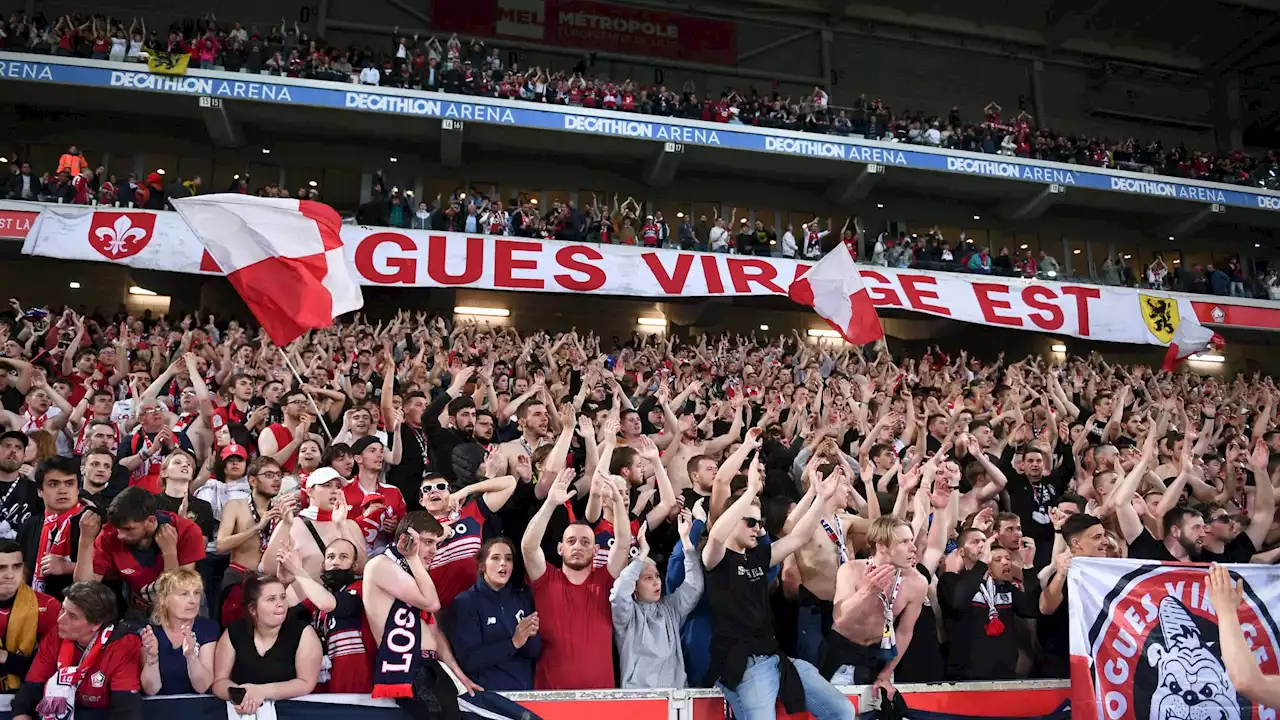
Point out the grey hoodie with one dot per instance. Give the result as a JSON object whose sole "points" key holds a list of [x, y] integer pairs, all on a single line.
{"points": [[648, 634]]}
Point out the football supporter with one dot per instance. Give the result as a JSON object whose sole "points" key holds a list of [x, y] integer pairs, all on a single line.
{"points": [[90, 665], [26, 617], [494, 627], [50, 541], [178, 644], [245, 674], [138, 543]]}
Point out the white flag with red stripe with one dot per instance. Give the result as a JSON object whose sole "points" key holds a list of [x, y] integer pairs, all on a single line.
{"points": [[834, 290], [1189, 338], [285, 258]]}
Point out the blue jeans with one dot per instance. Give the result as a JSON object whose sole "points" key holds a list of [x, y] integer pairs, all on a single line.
{"points": [[809, 632], [757, 694]]}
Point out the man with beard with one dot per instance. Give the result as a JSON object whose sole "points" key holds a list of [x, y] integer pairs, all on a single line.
{"points": [[466, 513], [337, 608], [28, 617], [462, 417], [414, 661], [139, 543], [247, 524], [576, 622], [535, 427], [468, 457], [325, 519], [877, 602], [378, 506], [49, 541], [981, 602], [19, 499]]}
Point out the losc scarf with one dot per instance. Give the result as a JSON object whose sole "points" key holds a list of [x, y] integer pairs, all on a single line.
{"points": [[401, 648], [59, 701]]}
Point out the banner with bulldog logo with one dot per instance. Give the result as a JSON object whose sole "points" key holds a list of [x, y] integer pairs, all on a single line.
{"points": [[1144, 641]]}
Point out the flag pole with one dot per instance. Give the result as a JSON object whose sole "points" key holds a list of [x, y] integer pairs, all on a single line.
{"points": [[301, 382]]}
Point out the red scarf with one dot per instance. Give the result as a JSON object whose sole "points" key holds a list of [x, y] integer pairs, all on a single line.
{"points": [[55, 539], [60, 690]]}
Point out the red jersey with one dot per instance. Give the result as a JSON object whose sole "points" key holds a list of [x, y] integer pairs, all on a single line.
{"points": [[722, 112], [139, 568], [393, 506], [575, 95], [604, 540], [47, 621], [576, 630], [232, 414], [119, 669], [347, 641], [453, 569], [628, 102], [649, 235], [283, 437], [589, 98]]}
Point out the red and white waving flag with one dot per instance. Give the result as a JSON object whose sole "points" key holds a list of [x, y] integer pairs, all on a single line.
{"points": [[283, 256], [834, 290], [1190, 338]]}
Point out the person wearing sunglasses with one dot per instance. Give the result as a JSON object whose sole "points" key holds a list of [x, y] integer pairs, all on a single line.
{"points": [[747, 663], [1236, 539], [465, 514]]}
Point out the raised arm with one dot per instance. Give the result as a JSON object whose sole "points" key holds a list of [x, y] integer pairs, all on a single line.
{"points": [[535, 562]]}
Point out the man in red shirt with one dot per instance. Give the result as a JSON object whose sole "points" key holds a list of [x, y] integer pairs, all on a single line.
{"points": [[281, 440], [26, 617], [89, 665], [573, 603], [376, 506], [139, 543]]}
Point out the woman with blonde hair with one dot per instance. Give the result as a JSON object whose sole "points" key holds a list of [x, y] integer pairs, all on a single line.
{"points": [[177, 647]]}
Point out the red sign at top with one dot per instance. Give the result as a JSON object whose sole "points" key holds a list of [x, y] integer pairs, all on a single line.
{"points": [[591, 25]]}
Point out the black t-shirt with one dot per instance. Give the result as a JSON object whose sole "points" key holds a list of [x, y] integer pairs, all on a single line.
{"points": [[1031, 502], [1239, 549], [923, 661], [199, 512], [1054, 633], [1146, 547], [19, 501], [738, 595]]}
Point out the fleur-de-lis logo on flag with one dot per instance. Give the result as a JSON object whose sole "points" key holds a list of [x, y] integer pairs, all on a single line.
{"points": [[118, 235]]}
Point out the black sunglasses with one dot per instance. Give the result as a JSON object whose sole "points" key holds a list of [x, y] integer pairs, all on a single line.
{"points": [[753, 523], [442, 487]]}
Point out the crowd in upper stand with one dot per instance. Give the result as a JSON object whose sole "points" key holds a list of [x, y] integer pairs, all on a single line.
{"points": [[745, 512], [456, 65]]}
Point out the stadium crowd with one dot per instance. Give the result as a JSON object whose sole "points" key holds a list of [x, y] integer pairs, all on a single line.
{"points": [[395, 507], [626, 222], [473, 68]]}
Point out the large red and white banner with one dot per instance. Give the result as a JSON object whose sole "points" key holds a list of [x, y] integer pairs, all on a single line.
{"points": [[419, 258], [592, 25], [1144, 641]]}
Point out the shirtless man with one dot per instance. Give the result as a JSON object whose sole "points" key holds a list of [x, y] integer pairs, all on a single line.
{"points": [[247, 525], [535, 427], [818, 560], [687, 446], [316, 527], [877, 603], [414, 663]]}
